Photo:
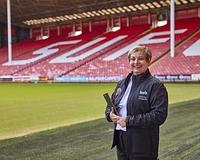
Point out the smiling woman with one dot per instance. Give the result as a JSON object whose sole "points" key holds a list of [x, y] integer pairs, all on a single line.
{"points": [[142, 106], [139, 59]]}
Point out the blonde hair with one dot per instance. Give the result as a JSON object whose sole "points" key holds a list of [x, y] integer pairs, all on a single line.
{"points": [[145, 50]]}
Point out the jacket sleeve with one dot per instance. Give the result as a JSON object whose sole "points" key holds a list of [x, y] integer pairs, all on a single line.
{"points": [[107, 113], [158, 110]]}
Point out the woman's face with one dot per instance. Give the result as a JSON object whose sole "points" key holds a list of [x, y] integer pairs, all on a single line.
{"points": [[138, 63]]}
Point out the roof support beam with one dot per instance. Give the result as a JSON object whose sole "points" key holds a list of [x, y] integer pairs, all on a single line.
{"points": [[172, 21], [9, 32]]}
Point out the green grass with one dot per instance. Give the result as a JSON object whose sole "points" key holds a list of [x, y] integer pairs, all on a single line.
{"points": [[27, 108], [180, 138], [31, 107], [91, 140], [183, 92]]}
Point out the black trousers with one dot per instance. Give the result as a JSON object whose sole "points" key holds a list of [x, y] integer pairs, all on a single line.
{"points": [[121, 148]]}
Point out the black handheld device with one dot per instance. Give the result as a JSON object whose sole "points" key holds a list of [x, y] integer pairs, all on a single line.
{"points": [[109, 102]]}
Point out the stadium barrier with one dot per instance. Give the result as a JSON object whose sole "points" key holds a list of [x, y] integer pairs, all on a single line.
{"points": [[193, 78], [26, 79], [87, 79]]}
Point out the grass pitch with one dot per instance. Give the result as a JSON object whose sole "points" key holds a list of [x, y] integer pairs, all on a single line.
{"points": [[91, 140], [29, 108]]}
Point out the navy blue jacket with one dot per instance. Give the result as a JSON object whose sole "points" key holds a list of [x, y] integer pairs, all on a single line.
{"points": [[147, 108]]}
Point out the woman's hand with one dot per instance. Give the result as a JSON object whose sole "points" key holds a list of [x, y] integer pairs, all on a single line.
{"points": [[122, 121], [113, 116]]}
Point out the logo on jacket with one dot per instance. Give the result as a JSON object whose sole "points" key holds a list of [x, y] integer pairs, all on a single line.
{"points": [[143, 95], [118, 91], [143, 92]]}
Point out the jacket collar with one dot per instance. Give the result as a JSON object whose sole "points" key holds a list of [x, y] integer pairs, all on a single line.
{"points": [[137, 78]]}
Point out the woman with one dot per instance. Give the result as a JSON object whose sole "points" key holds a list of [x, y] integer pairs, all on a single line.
{"points": [[142, 103]]}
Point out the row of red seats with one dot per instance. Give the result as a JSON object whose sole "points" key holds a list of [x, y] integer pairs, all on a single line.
{"points": [[95, 64]]}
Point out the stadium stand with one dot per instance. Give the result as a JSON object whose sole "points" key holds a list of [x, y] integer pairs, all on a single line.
{"points": [[185, 62], [50, 68], [119, 66], [98, 51], [24, 57], [104, 53]]}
